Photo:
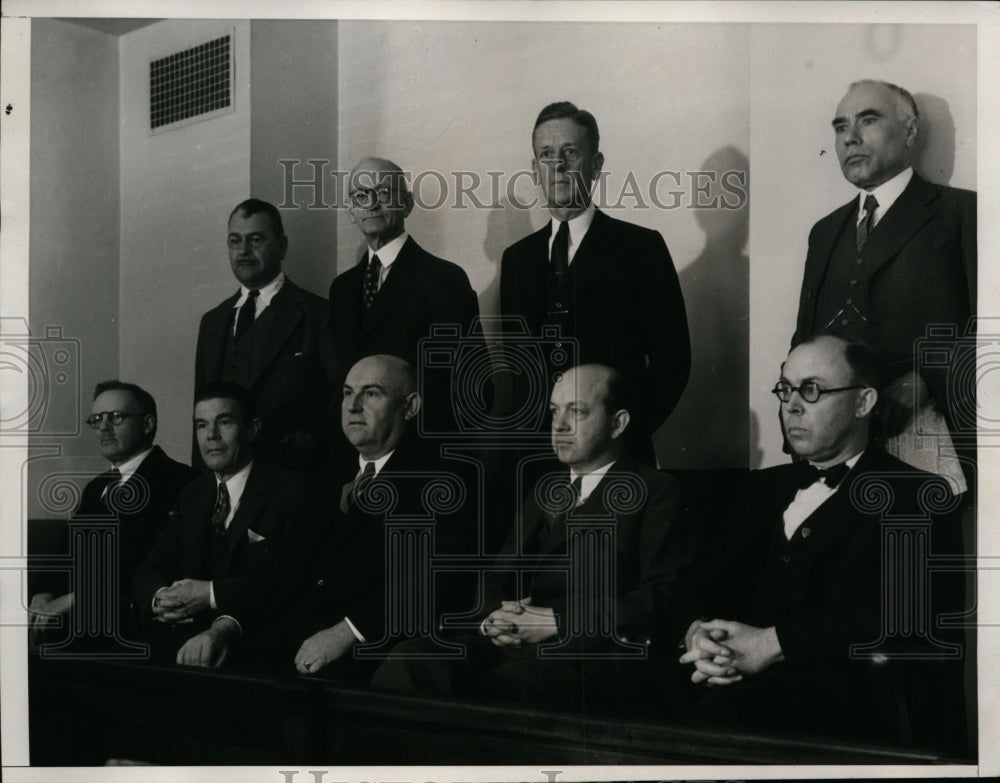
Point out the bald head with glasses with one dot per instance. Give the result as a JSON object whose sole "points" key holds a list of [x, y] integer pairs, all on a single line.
{"points": [[827, 391]]}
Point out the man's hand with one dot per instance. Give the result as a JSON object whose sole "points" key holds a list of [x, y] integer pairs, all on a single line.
{"points": [[713, 661], [900, 401], [753, 649], [181, 600], [324, 647], [211, 647], [518, 622], [44, 612]]}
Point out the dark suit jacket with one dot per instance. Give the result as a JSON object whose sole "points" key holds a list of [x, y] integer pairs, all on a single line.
{"points": [[923, 252], [420, 291], [628, 309], [270, 506], [821, 590], [651, 546], [291, 386], [158, 483]]}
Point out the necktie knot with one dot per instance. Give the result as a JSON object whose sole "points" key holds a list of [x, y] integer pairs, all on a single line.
{"points": [[248, 311], [871, 204], [351, 490], [372, 272], [807, 475], [867, 222]]}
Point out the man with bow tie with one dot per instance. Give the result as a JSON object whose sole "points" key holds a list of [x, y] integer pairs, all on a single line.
{"points": [[138, 491], [565, 613], [226, 527], [798, 578]]}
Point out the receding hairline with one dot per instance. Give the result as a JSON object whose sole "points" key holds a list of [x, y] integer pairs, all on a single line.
{"points": [[397, 374], [906, 104], [379, 166]]}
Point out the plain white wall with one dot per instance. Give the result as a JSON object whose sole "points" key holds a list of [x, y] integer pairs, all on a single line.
{"points": [[177, 189], [799, 73], [73, 275], [451, 96]]}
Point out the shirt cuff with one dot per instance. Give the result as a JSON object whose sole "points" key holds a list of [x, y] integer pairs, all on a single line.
{"points": [[357, 634], [211, 595], [229, 617]]}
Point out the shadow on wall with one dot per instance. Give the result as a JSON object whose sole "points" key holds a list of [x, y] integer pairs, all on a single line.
{"points": [[710, 428], [934, 155]]}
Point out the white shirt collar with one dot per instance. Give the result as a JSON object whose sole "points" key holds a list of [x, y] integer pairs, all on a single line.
{"points": [[379, 463], [236, 483], [885, 194], [267, 293], [388, 252], [578, 227], [589, 481], [131, 465], [852, 461]]}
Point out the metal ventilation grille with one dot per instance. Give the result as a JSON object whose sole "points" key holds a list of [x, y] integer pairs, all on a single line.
{"points": [[190, 83]]}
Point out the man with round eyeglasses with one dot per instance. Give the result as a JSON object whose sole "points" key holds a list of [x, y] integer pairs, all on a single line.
{"points": [[270, 338], [138, 490]]}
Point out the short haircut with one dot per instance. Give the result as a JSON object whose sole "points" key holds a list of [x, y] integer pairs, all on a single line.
{"points": [[566, 110], [383, 166], [227, 390], [859, 355], [905, 101], [254, 206], [619, 394], [145, 401], [402, 376]]}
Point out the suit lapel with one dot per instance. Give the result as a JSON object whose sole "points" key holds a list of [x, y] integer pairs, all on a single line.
{"points": [[219, 320], [398, 283], [911, 211], [251, 503], [591, 260], [826, 242], [284, 319]]}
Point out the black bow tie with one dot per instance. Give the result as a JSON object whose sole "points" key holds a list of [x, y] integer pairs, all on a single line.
{"points": [[806, 475]]}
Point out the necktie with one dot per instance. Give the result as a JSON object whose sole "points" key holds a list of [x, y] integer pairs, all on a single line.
{"points": [[371, 280], [868, 221], [349, 494], [221, 510], [560, 249], [114, 481], [247, 313], [570, 490], [806, 475]]}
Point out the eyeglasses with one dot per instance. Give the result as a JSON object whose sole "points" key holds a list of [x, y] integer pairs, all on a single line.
{"points": [[255, 240], [570, 154], [115, 417], [365, 198], [810, 391]]}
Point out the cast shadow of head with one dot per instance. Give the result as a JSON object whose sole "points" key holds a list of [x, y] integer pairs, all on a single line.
{"points": [[934, 153], [710, 428]]}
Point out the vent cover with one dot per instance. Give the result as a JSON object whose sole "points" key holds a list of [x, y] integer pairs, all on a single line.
{"points": [[191, 85]]}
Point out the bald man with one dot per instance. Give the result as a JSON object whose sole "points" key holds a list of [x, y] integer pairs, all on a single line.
{"points": [[397, 291]]}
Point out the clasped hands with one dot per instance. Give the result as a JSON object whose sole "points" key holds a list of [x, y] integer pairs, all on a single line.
{"points": [[46, 611], [723, 651], [518, 622], [181, 600]]}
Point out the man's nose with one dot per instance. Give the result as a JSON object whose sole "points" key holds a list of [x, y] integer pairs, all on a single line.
{"points": [[795, 403], [852, 134], [105, 424], [560, 422]]}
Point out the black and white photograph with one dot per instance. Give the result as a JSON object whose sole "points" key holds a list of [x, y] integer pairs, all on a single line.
{"points": [[536, 391]]}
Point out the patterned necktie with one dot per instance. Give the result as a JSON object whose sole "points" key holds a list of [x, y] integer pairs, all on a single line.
{"points": [[221, 510], [806, 475], [371, 280], [867, 222], [349, 494], [247, 313], [560, 249]]}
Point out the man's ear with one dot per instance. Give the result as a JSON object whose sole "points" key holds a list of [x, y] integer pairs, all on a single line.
{"points": [[534, 170], [149, 424], [619, 422], [912, 131], [407, 204], [598, 165], [253, 429], [866, 402], [413, 403]]}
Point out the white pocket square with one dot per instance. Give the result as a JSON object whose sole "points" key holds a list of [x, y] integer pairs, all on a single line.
{"points": [[254, 537]]}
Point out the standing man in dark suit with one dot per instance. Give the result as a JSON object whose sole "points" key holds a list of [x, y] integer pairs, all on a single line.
{"points": [[138, 490], [268, 337], [398, 291], [226, 526], [800, 573], [564, 635], [899, 257], [608, 284]]}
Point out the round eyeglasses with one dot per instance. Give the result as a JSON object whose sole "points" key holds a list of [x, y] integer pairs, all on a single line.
{"points": [[115, 417], [810, 391]]}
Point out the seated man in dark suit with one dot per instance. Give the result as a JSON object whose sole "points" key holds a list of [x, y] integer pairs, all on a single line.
{"points": [[398, 291], [608, 284], [138, 491], [797, 577], [225, 528], [566, 612], [270, 336], [331, 590]]}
